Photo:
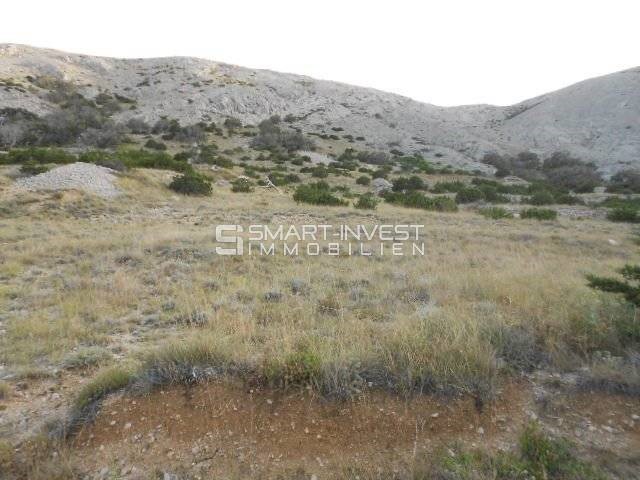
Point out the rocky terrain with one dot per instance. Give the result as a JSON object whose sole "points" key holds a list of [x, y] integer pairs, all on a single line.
{"points": [[80, 176], [597, 120]]}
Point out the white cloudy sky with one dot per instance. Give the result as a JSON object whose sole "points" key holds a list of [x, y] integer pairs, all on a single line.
{"points": [[446, 52]]}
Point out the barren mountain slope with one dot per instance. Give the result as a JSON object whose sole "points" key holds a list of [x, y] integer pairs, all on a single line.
{"points": [[598, 119]]}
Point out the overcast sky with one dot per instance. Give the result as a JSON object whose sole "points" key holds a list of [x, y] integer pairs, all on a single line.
{"points": [[448, 52]]}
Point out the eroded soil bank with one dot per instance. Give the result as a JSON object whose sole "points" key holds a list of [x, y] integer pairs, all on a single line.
{"points": [[220, 430]]}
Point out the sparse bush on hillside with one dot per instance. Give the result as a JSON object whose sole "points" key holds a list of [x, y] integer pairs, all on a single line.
{"points": [[625, 181], [565, 171], [138, 126], [418, 200], [32, 167], [406, 184], [539, 214], [147, 159], [170, 129], [232, 123], [104, 159], [155, 145], [109, 135], [242, 185], [191, 183], [318, 193], [629, 287], [448, 187], [625, 214], [495, 213], [37, 155], [469, 195], [367, 201], [363, 180], [271, 136], [542, 198], [373, 158], [560, 170]]}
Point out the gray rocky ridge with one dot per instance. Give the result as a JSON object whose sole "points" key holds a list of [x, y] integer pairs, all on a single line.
{"points": [[597, 119]]}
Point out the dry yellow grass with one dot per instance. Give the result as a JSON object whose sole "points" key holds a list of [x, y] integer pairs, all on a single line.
{"points": [[138, 273]]}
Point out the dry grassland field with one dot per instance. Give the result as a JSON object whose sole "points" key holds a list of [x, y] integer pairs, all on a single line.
{"points": [[131, 348]]}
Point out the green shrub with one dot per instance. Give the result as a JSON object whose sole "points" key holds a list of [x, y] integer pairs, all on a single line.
{"points": [[242, 185], [626, 214], [539, 214], [33, 168], [318, 193], [147, 159], [104, 159], [495, 213], [402, 184], [630, 291], [542, 198], [37, 155], [320, 172], [448, 187], [469, 195], [191, 183], [367, 201], [419, 200], [155, 145], [363, 180], [625, 181], [551, 458]]}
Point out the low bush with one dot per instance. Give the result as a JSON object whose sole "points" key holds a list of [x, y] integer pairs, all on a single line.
{"points": [[318, 193], [242, 185], [629, 287], [363, 180], [626, 214], [495, 213], [448, 187], [419, 200], [147, 159], [191, 183], [155, 145], [406, 184], [367, 201], [33, 168], [37, 155], [541, 198], [538, 456], [539, 214], [625, 181], [469, 195]]}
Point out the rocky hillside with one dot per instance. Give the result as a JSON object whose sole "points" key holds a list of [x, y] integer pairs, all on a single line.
{"points": [[598, 119]]}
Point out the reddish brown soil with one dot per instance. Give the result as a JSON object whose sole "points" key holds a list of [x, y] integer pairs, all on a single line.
{"points": [[222, 429]]}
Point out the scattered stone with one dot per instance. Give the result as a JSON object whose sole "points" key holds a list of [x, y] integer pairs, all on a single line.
{"points": [[273, 296], [299, 287], [380, 185]]}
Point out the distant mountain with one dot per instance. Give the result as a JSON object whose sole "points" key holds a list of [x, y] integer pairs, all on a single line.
{"points": [[597, 119]]}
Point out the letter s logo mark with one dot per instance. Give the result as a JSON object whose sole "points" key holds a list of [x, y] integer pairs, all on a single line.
{"points": [[229, 234]]}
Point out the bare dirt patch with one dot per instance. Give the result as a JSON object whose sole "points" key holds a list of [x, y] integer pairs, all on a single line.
{"points": [[215, 429]]}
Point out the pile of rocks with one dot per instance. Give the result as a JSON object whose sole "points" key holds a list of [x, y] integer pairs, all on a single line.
{"points": [[76, 176]]}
